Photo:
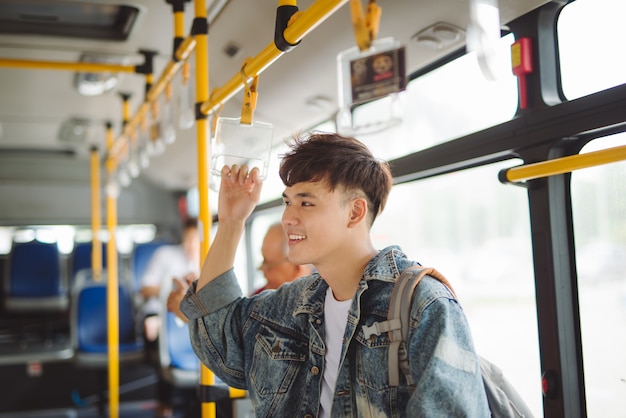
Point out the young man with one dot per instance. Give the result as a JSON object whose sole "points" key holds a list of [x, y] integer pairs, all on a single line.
{"points": [[301, 350]]}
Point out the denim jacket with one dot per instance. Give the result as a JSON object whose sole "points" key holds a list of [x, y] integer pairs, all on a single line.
{"points": [[273, 346]]}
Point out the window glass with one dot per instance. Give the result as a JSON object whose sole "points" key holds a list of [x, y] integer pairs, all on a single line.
{"points": [[591, 59], [478, 238], [240, 265], [599, 214], [143, 233], [62, 235], [6, 238], [449, 102]]}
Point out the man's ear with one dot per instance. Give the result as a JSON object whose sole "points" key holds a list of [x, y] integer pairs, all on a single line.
{"points": [[358, 211]]}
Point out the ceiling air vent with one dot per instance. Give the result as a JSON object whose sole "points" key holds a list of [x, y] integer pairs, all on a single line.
{"points": [[74, 131], [74, 19]]}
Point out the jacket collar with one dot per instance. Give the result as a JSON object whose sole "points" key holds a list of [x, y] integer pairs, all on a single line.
{"points": [[384, 266]]}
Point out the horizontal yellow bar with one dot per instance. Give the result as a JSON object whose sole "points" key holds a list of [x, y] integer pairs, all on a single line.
{"points": [[170, 70], [236, 393], [566, 164], [119, 145], [298, 29], [186, 48], [72, 66]]}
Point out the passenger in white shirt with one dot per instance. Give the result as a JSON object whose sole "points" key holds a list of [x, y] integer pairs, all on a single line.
{"points": [[168, 262]]}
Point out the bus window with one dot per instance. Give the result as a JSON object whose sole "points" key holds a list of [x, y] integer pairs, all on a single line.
{"points": [[447, 103], [6, 238], [591, 59], [142, 233], [599, 214], [481, 242]]}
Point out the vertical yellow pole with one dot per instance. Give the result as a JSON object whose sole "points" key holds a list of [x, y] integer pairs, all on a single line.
{"points": [[96, 216], [179, 24], [112, 288], [202, 126]]}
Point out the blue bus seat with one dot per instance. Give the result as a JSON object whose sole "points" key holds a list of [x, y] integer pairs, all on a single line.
{"points": [[35, 279], [88, 324], [81, 257], [142, 253], [178, 363]]}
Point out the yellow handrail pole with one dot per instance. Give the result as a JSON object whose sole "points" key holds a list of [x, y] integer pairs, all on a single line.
{"points": [[186, 48], [171, 68], [297, 29], [67, 65], [563, 164], [96, 216], [200, 31], [112, 288]]}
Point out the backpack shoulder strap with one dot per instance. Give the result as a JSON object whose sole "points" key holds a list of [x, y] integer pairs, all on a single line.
{"points": [[397, 323], [504, 401], [400, 307]]}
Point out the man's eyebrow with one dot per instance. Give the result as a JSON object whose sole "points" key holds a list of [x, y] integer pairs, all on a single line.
{"points": [[301, 194]]}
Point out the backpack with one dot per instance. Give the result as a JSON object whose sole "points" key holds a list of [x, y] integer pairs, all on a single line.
{"points": [[503, 399]]}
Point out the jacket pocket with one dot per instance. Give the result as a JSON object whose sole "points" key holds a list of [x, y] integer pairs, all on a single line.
{"points": [[372, 360], [276, 361]]}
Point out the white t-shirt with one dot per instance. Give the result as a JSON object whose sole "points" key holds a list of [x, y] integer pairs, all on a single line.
{"points": [[167, 262], [335, 320]]}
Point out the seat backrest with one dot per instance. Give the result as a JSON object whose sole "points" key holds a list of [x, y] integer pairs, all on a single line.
{"points": [[81, 257], [179, 350], [35, 277], [89, 316], [175, 348], [142, 253]]}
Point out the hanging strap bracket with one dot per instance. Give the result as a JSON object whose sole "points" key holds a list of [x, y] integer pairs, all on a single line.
{"points": [[284, 14], [250, 96], [365, 25]]}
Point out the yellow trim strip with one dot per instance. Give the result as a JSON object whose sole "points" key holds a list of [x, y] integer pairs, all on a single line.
{"points": [[565, 164]]}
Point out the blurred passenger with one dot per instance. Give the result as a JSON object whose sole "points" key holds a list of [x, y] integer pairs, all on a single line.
{"points": [[276, 268], [168, 262]]}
